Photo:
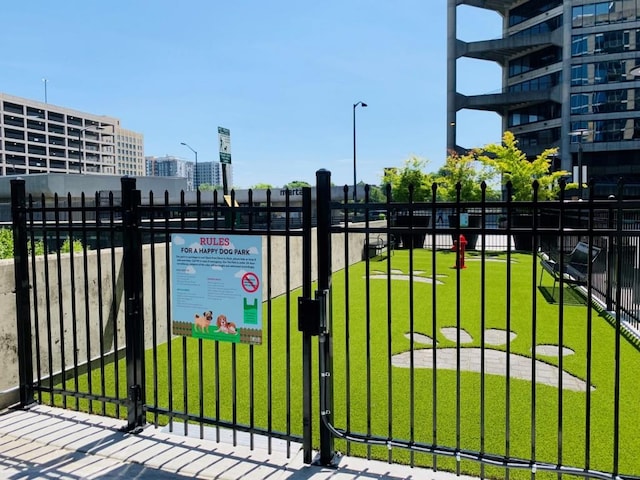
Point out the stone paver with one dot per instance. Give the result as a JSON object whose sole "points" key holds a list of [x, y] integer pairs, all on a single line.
{"points": [[553, 350], [520, 367], [496, 336], [46, 443], [403, 277], [451, 333], [420, 338]]}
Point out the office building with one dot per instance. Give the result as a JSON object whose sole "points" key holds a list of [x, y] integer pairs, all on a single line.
{"points": [[210, 173], [129, 153], [37, 137], [171, 166], [567, 81]]}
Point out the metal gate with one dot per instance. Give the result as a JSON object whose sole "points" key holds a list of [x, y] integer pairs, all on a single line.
{"points": [[408, 373], [94, 329], [93, 292]]}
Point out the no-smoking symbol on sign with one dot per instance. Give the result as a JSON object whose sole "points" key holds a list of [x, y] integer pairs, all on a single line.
{"points": [[250, 282]]}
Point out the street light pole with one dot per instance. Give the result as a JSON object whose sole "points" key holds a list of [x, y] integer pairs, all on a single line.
{"points": [[355, 184], [195, 176], [580, 169], [580, 132]]}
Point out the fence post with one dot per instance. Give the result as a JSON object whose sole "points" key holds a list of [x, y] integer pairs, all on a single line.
{"points": [[307, 371], [23, 304], [325, 348], [134, 327]]}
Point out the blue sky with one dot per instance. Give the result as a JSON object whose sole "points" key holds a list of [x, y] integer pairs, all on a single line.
{"points": [[282, 75]]}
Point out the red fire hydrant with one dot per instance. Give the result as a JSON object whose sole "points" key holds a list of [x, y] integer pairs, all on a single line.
{"points": [[459, 246]]}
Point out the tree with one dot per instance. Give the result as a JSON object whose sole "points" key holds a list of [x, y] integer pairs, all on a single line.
{"points": [[469, 173], [297, 184], [507, 160], [262, 186], [377, 194], [410, 174]]}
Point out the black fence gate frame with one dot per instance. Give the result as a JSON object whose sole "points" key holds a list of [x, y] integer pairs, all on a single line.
{"points": [[131, 228], [323, 312], [315, 319]]}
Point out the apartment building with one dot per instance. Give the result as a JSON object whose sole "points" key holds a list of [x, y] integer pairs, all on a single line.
{"points": [[210, 173], [171, 166], [37, 137], [567, 81]]}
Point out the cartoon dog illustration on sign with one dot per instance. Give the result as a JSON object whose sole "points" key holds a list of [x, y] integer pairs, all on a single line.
{"points": [[225, 326], [203, 321]]}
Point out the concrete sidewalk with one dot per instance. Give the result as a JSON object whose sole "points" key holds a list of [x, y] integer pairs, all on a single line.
{"points": [[47, 443]]}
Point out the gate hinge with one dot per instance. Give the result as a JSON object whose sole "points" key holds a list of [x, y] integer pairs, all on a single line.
{"points": [[309, 315]]}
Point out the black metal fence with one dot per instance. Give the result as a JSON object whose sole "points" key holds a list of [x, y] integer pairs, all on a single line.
{"points": [[480, 370]]}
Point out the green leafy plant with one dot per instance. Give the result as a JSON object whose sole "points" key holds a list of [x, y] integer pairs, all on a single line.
{"points": [[6, 244], [412, 174], [67, 244], [508, 161], [469, 173]]}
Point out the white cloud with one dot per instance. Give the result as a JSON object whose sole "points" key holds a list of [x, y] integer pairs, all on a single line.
{"points": [[253, 251], [190, 270], [240, 273], [216, 267], [178, 240]]}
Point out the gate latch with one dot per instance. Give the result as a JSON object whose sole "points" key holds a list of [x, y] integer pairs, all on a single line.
{"points": [[309, 315], [312, 314]]}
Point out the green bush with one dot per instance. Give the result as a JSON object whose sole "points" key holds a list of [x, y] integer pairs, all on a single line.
{"points": [[6, 245], [66, 246]]}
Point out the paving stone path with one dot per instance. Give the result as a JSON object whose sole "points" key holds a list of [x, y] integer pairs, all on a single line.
{"points": [[495, 361]]}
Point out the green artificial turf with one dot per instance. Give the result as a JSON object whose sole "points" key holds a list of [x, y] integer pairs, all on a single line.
{"points": [[370, 396]]}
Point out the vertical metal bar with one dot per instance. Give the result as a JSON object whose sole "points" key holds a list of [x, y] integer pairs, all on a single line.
{"points": [[23, 307], [483, 324], [347, 316], [47, 288], [434, 333], [36, 303], [134, 328], [154, 309], [234, 352], [534, 309], [325, 350], [367, 315], [200, 353], [74, 316], [307, 383], [216, 347], [101, 336], [87, 309], [511, 212], [389, 321], [185, 370], [58, 243], [287, 246], [561, 330], [269, 334], [616, 398], [114, 305], [412, 364], [458, 326], [610, 259], [587, 419], [167, 259]]}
